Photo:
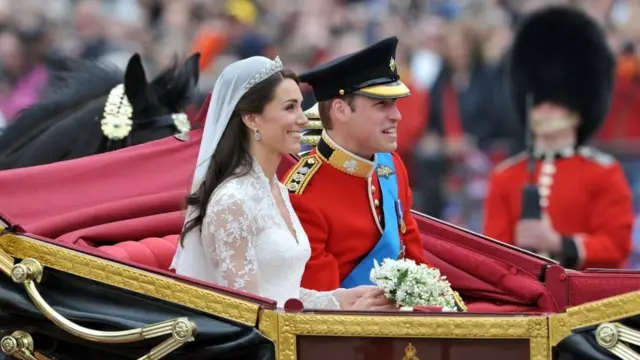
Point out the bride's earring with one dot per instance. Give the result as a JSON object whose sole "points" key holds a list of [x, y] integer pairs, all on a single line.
{"points": [[256, 134]]}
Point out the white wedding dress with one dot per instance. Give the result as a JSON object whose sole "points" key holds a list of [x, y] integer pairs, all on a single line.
{"points": [[249, 246]]}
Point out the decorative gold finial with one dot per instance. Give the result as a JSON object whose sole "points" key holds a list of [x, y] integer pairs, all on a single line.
{"points": [[410, 353]]}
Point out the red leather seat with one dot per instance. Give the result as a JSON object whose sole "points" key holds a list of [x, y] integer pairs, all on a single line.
{"points": [[154, 252]]}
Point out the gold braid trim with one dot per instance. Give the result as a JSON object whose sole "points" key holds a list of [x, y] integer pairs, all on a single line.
{"points": [[301, 174]]}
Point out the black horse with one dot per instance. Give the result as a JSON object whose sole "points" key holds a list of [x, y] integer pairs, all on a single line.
{"points": [[87, 110]]}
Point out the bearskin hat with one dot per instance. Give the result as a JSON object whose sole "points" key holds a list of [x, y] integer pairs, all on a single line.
{"points": [[561, 55]]}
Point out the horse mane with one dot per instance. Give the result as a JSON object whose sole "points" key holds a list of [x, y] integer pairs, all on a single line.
{"points": [[78, 85], [77, 96], [69, 87], [174, 87]]}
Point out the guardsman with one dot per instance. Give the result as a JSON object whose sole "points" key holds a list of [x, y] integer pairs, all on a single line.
{"points": [[351, 192], [561, 78]]}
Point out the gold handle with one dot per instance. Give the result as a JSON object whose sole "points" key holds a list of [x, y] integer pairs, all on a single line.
{"points": [[19, 345], [29, 273], [613, 336]]}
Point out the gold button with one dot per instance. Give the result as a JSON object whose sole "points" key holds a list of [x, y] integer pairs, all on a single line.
{"points": [[376, 203], [341, 92], [373, 188], [311, 161]]}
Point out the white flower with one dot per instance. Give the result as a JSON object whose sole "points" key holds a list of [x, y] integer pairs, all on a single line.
{"points": [[409, 284]]}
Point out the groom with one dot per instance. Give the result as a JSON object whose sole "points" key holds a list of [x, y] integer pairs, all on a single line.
{"points": [[352, 192]]}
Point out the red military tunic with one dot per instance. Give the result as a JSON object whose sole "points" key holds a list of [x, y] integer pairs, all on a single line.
{"points": [[341, 212], [588, 200]]}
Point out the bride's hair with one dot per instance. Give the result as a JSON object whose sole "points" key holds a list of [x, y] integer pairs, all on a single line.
{"points": [[232, 157]]}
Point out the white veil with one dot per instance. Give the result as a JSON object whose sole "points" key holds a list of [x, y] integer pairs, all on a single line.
{"points": [[231, 85]]}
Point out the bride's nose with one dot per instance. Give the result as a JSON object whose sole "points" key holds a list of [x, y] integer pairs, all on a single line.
{"points": [[302, 120]]}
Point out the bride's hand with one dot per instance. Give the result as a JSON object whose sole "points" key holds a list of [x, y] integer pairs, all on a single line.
{"points": [[364, 298]]}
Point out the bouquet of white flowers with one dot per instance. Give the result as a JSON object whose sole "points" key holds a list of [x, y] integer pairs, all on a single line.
{"points": [[409, 284]]}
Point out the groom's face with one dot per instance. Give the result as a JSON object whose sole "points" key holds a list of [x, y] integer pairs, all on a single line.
{"points": [[374, 123]]}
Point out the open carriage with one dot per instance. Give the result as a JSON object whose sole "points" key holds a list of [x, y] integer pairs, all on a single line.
{"points": [[86, 245]]}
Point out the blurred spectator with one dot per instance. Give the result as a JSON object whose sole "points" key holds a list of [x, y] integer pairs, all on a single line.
{"points": [[23, 75]]}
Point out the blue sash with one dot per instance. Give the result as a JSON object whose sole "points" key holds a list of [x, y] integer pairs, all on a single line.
{"points": [[389, 245]]}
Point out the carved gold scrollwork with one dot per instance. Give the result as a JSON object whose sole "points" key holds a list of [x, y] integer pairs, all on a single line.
{"points": [[19, 345], [613, 336], [29, 273]]}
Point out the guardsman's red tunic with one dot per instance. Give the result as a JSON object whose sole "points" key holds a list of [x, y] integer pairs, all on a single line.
{"points": [[337, 198], [586, 196]]}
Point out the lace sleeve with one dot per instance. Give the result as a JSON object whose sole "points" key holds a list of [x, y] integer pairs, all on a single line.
{"points": [[231, 243], [318, 299]]}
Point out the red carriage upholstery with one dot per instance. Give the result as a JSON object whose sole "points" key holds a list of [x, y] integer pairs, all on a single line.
{"points": [[487, 283], [127, 205], [581, 285], [155, 252]]}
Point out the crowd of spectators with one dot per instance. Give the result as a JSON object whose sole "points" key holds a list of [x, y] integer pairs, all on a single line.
{"points": [[456, 125]]}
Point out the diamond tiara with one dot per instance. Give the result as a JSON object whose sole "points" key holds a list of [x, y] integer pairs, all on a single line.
{"points": [[273, 67]]}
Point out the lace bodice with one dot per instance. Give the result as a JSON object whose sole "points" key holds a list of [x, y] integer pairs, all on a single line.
{"points": [[249, 245]]}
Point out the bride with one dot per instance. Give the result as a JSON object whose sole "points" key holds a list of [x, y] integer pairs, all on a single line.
{"points": [[241, 230]]}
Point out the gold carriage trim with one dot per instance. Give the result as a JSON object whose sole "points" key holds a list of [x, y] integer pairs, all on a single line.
{"points": [[129, 278], [301, 174], [29, 273], [594, 313], [292, 325]]}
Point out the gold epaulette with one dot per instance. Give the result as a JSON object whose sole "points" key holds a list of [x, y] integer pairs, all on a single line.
{"points": [[302, 173], [597, 156], [507, 163]]}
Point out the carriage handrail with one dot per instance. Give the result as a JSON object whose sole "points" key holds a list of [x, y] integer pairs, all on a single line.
{"points": [[182, 330]]}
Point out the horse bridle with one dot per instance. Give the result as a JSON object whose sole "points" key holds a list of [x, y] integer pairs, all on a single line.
{"points": [[116, 123]]}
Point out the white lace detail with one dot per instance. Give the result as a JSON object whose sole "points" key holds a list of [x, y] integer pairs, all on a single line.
{"points": [[250, 247]]}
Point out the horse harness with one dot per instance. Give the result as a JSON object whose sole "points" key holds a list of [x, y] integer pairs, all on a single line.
{"points": [[116, 123]]}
